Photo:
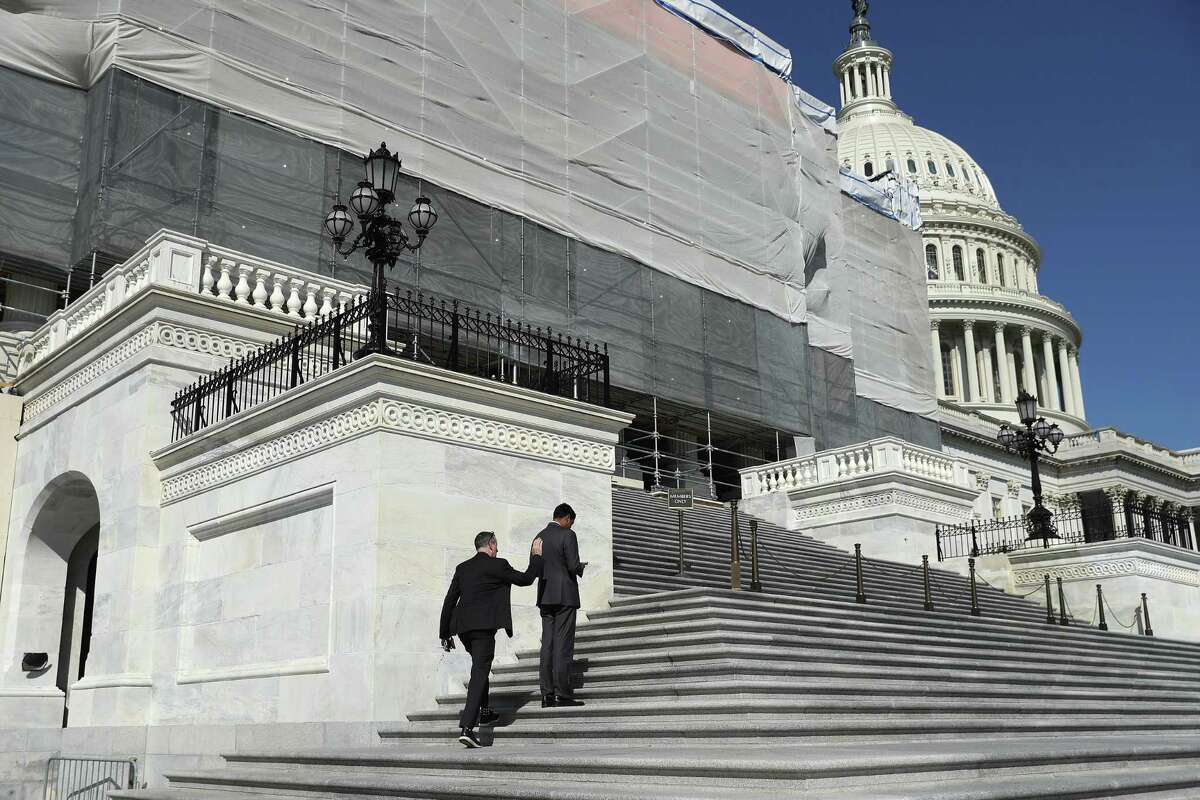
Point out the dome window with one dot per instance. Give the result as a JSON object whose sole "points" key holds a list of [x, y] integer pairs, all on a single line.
{"points": [[957, 255], [891, 165], [1000, 268], [981, 265], [949, 169], [932, 167], [868, 169], [931, 262], [912, 167]]}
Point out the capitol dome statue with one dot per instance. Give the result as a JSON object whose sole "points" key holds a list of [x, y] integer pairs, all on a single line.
{"points": [[993, 333]]}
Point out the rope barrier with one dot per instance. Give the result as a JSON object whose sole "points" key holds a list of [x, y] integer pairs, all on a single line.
{"points": [[1113, 614]]}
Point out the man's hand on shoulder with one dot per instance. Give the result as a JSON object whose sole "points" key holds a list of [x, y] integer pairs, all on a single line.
{"points": [[537, 546], [448, 644]]}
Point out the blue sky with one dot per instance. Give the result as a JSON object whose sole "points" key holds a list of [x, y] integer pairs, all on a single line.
{"points": [[1085, 115]]}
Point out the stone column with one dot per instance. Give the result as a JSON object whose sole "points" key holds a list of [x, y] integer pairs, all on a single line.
{"points": [[1077, 384], [938, 367], [1068, 385], [972, 366], [1010, 362], [1052, 402], [887, 83], [988, 377], [1006, 393], [1030, 378], [1191, 522], [1117, 496], [856, 81]]}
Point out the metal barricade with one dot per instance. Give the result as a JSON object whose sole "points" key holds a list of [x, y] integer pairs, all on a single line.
{"points": [[87, 778]]}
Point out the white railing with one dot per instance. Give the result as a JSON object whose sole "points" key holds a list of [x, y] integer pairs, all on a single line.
{"points": [[10, 355], [1111, 440], [194, 266], [876, 457], [994, 292]]}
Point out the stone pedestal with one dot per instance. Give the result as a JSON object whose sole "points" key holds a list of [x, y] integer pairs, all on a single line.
{"points": [[309, 543], [1169, 576], [887, 495]]}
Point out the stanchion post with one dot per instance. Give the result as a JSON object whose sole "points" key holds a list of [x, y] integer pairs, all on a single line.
{"points": [[755, 584], [1146, 615], [1100, 605], [925, 576], [680, 513], [974, 541], [735, 561], [1062, 603], [974, 592], [860, 595], [1049, 602]]}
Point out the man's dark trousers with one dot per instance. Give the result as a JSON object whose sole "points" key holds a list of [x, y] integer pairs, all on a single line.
{"points": [[482, 647], [558, 645]]}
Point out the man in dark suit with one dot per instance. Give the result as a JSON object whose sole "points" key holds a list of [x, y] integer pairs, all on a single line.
{"points": [[476, 606], [558, 599]]}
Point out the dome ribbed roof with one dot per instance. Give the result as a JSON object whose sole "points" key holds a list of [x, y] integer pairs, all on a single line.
{"points": [[877, 137]]}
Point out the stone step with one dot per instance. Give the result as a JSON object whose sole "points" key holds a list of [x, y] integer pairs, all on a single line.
{"points": [[849, 613], [799, 707], [724, 667], [654, 727], [609, 630], [865, 663], [825, 581], [785, 767], [511, 694]]}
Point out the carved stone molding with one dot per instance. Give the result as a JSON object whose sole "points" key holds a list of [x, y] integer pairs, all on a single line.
{"points": [[156, 333], [1110, 568], [896, 497], [401, 417]]}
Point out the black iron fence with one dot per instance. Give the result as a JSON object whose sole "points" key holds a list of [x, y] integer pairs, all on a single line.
{"points": [[1073, 526], [413, 326], [87, 778]]}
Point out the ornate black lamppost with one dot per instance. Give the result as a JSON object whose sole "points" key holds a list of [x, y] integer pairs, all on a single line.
{"points": [[382, 236], [1038, 435]]}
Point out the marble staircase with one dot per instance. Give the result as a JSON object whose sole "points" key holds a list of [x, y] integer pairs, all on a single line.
{"points": [[694, 691]]}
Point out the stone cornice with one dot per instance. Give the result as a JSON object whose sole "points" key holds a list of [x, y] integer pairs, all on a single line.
{"points": [[1111, 559], [390, 395]]}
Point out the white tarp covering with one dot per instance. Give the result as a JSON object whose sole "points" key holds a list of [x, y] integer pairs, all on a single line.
{"points": [[719, 22], [612, 121]]}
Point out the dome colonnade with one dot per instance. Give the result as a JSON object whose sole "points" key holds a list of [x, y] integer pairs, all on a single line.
{"points": [[992, 332]]}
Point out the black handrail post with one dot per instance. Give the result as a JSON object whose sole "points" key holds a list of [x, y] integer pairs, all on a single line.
{"points": [[606, 366], [1100, 605], [1062, 602], [925, 577], [1049, 602], [1146, 615], [937, 540], [229, 381], [974, 593], [454, 336], [755, 584], [860, 594], [295, 378], [680, 513], [735, 558], [974, 541]]}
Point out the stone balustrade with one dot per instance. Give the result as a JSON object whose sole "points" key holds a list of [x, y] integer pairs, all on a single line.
{"points": [[878, 456], [951, 289], [10, 355], [1103, 440], [185, 263]]}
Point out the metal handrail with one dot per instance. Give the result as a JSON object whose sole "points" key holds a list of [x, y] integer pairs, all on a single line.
{"points": [[1073, 526], [440, 333]]}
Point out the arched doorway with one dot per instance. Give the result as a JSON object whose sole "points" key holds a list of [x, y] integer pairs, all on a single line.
{"points": [[57, 581]]}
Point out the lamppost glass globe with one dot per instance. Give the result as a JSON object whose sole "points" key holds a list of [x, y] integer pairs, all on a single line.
{"points": [[1041, 428], [1006, 436], [422, 216], [339, 223], [1056, 435], [382, 168], [364, 202]]}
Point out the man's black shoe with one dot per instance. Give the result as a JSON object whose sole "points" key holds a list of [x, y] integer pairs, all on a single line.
{"points": [[562, 700], [469, 738], [548, 701], [487, 716]]}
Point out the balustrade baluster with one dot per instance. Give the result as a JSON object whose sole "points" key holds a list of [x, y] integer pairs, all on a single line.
{"points": [[277, 297], [225, 284], [242, 290]]}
